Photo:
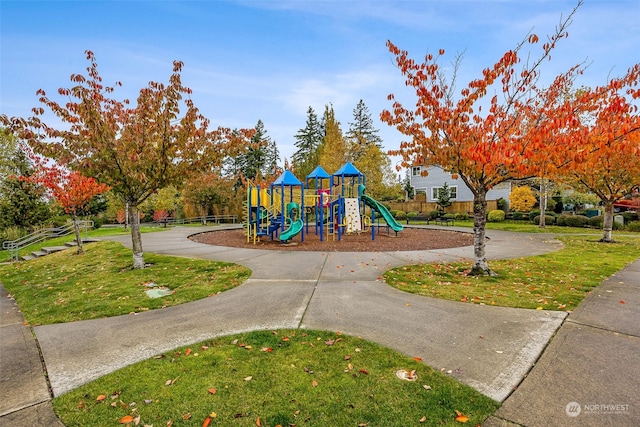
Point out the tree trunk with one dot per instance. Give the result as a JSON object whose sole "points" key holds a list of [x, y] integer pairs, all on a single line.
{"points": [[204, 213], [136, 237], [607, 223], [480, 266], [76, 228], [543, 203]]}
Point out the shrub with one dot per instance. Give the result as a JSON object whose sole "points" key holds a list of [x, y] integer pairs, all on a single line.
{"points": [[596, 221], [633, 226], [519, 216], [448, 216], [502, 204], [629, 216], [576, 220], [461, 216], [97, 222], [411, 215], [548, 219], [11, 233], [400, 215], [434, 214], [496, 216]]}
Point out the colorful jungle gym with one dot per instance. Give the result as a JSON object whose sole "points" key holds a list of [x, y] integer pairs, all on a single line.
{"points": [[334, 205]]}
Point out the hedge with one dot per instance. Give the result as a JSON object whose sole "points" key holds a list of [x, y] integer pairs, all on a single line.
{"points": [[573, 220], [548, 219], [496, 216]]}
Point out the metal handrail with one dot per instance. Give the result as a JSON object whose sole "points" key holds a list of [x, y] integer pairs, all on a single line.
{"points": [[14, 246]]}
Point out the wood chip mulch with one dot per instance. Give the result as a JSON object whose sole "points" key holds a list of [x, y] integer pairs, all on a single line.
{"points": [[409, 239]]}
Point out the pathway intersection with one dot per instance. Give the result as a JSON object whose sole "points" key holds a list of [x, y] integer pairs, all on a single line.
{"points": [[489, 348]]}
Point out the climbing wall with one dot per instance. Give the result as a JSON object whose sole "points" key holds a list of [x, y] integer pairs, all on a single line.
{"points": [[352, 215]]}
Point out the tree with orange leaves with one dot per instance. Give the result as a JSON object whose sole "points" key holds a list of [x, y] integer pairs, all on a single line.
{"points": [[607, 143], [483, 149], [135, 150], [70, 189]]}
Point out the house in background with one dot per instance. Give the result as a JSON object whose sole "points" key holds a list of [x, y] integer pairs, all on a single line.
{"points": [[427, 187]]}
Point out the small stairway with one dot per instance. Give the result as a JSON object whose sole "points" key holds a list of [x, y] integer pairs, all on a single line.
{"points": [[52, 249]]}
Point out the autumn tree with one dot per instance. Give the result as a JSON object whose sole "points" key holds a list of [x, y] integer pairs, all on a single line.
{"points": [[70, 189], [451, 130], [521, 199], [332, 152], [607, 144], [208, 191], [375, 165], [308, 141], [137, 150]]}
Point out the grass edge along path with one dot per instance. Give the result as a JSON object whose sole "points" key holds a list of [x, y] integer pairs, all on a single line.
{"points": [[554, 281], [65, 287], [270, 378]]}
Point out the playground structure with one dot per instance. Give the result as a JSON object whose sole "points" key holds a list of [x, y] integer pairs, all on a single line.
{"points": [[334, 205]]}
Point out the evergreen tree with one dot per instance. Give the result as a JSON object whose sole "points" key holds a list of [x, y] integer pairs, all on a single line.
{"points": [[308, 141], [260, 158], [361, 133], [271, 157], [444, 196], [22, 203], [333, 151]]}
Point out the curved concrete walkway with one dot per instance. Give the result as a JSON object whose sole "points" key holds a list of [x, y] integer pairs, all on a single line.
{"points": [[490, 348]]}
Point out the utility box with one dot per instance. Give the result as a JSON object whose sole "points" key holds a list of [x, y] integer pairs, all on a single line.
{"points": [[619, 219]]}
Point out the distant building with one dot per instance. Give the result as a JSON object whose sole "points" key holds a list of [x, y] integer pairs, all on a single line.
{"points": [[437, 177]]}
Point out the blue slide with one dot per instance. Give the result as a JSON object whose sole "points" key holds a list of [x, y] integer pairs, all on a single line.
{"points": [[374, 204]]}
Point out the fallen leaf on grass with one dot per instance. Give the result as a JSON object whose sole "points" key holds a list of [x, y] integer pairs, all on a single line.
{"points": [[423, 419], [186, 416], [363, 371], [249, 378], [266, 349], [461, 418], [101, 398], [417, 359], [212, 390], [314, 383], [171, 382], [127, 419], [188, 352], [258, 422], [207, 421]]}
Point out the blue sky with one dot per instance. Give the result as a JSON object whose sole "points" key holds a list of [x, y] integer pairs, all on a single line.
{"points": [[270, 60]]}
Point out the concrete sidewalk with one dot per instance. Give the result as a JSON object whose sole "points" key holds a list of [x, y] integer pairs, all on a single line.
{"points": [[490, 348], [589, 375]]}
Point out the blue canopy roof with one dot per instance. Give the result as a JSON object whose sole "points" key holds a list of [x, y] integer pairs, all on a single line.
{"points": [[318, 172], [348, 170], [287, 178]]}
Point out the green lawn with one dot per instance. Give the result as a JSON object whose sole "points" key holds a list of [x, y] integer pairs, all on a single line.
{"points": [[65, 287], [270, 378], [555, 281], [5, 256]]}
